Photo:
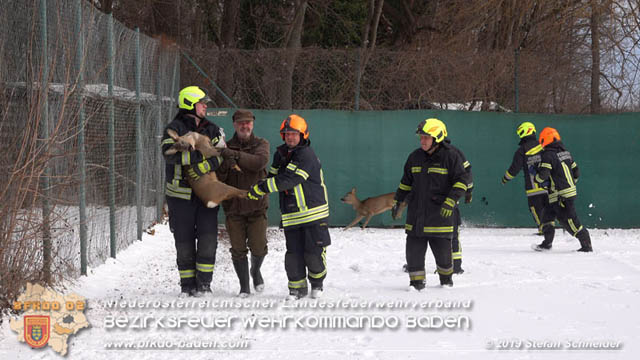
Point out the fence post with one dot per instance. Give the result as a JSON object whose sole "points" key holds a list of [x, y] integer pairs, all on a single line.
{"points": [[358, 77], [211, 81], [81, 146], [515, 75], [138, 141], [112, 143], [44, 112], [174, 81], [158, 143]]}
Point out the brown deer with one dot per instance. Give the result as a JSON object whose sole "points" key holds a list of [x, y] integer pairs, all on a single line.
{"points": [[370, 206], [207, 188]]}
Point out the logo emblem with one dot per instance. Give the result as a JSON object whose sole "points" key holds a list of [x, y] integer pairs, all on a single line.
{"points": [[36, 330]]}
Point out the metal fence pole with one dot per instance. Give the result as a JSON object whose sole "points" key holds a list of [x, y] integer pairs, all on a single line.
{"points": [[174, 82], [211, 81], [82, 165], [515, 80], [112, 143], [159, 129], [138, 142], [44, 113]]}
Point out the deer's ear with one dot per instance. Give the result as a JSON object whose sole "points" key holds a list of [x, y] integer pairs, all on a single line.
{"points": [[173, 134]]}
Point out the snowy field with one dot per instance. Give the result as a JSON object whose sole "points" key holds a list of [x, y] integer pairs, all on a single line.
{"points": [[511, 303]]}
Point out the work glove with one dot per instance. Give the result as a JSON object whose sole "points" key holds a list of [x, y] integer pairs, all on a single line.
{"points": [[546, 184], [468, 197], [447, 208], [197, 170], [395, 209], [504, 180], [228, 154], [254, 193]]}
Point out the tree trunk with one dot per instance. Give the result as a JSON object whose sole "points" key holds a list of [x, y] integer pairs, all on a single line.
{"points": [[370, 31], [292, 45], [595, 57], [107, 6], [227, 41]]}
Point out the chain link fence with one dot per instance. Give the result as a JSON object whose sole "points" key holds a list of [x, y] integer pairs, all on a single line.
{"points": [[385, 79], [83, 101]]}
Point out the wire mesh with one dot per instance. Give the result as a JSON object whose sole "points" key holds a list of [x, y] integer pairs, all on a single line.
{"points": [[28, 154]]}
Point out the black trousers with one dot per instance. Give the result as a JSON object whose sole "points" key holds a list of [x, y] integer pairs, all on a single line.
{"points": [[195, 231], [456, 249], [306, 250], [537, 204], [416, 248], [564, 211]]}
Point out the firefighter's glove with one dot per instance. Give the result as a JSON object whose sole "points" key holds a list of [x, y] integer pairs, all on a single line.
{"points": [[447, 208], [546, 184], [199, 169], [395, 209], [504, 180], [468, 197], [255, 193]]}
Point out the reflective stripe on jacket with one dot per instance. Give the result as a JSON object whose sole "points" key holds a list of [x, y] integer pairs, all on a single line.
{"points": [[297, 175], [429, 181]]}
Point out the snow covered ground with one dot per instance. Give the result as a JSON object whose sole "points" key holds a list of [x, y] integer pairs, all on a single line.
{"points": [[511, 303]]}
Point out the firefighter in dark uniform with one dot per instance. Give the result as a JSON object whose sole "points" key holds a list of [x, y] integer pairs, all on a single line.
{"points": [[561, 172], [527, 158], [194, 226], [456, 248], [434, 180], [296, 174]]}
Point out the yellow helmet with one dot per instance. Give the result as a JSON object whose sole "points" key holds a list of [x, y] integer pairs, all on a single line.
{"points": [[525, 129], [190, 95], [433, 127]]}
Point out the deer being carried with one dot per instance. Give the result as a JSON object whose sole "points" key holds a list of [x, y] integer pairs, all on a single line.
{"points": [[207, 187]]}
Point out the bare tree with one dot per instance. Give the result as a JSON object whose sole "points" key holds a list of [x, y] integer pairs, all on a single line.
{"points": [[107, 6], [228, 26], [292, 45], [595, 56]]}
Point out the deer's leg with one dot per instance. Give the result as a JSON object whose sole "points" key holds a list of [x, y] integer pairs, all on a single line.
{"points": [[367, 221], [355, 221]]}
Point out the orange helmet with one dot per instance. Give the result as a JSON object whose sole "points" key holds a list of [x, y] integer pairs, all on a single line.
{"points": [[548, 135], [294, 123]]}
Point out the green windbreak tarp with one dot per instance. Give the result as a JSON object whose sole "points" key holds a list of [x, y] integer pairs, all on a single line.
{"points": [[367, 150]]}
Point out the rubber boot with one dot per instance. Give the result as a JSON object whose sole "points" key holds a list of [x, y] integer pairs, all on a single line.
{"points": [[299, 293], [417, 284], [445, 280], [256, 263], [242, 270], [549, 233], [188, 290], [585, 241], [203, 289]]}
